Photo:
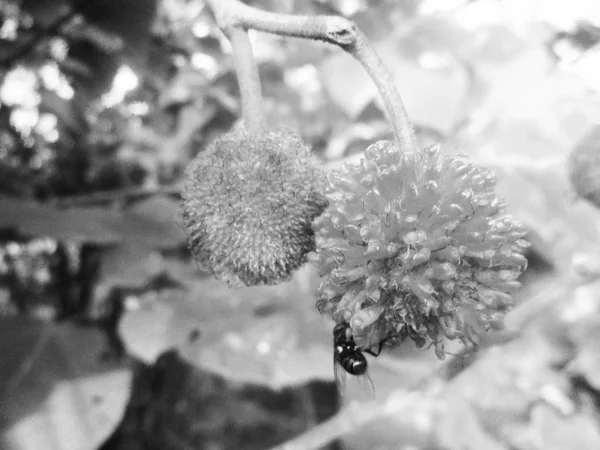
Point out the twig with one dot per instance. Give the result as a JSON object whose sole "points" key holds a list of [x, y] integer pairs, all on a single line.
{"points": [[247, 75], [334, 30]]}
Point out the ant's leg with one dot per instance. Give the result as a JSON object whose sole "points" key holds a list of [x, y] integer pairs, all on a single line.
{"points": [[371, 352]]}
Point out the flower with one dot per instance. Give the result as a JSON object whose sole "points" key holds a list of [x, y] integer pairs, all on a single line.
{"points": [[584, 167], [412, 245], [248, 204]]}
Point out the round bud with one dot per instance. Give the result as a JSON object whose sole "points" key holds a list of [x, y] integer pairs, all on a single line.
{"points": [[584, 167], [248, 204]]}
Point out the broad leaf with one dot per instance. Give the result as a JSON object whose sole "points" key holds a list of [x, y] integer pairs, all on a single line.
{"points": [[268, 335], [149, 224], [57, 391]]}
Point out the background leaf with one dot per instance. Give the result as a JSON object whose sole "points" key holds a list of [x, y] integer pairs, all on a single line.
{"points": [[269, 335], [57, 391]]}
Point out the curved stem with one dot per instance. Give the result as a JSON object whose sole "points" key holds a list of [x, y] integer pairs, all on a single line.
{"points": [[370, 60], [331, 29], [248, 80]]}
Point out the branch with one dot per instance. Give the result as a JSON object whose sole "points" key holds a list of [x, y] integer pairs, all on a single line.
{"points": [[334, 30]]}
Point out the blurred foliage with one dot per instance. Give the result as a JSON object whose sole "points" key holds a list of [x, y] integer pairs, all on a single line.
{"points": [[194, 407], [104, 102]]}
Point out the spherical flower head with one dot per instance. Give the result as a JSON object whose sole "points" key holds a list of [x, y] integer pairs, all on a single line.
{"points": [[248, 204], [412, 245], [584, 167]]}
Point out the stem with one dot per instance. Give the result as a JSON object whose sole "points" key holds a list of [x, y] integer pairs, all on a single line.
{"points": [[248, 80], [370, 60], [331, 29]]}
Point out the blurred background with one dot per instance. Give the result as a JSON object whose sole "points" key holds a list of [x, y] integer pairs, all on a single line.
{"points": [[110, 336]]}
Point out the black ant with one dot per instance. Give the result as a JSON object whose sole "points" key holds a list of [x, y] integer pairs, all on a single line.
{"points": [[349, 356]]}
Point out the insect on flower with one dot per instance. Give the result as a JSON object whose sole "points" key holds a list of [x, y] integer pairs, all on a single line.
{"points": [[415, 243], [349, 358]]}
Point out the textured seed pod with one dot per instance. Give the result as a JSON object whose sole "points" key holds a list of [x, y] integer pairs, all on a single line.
{"points": [[584, 167], [412, 245], [248, 204]]}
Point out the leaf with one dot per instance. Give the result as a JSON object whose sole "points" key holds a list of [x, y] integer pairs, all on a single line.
{"points": [[37, 219], [103, 67], [173, 398], [105, 41], [57, 393], [585, 335], [268, 335], [527, 124], [183, 87], [134, 238], [541, 196], [68, 112], [75, 68], [131, 21], [533, 112], [146, 229], [149, 223], [459, 428], [46, 13], [129, 266], [554, 431]]}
